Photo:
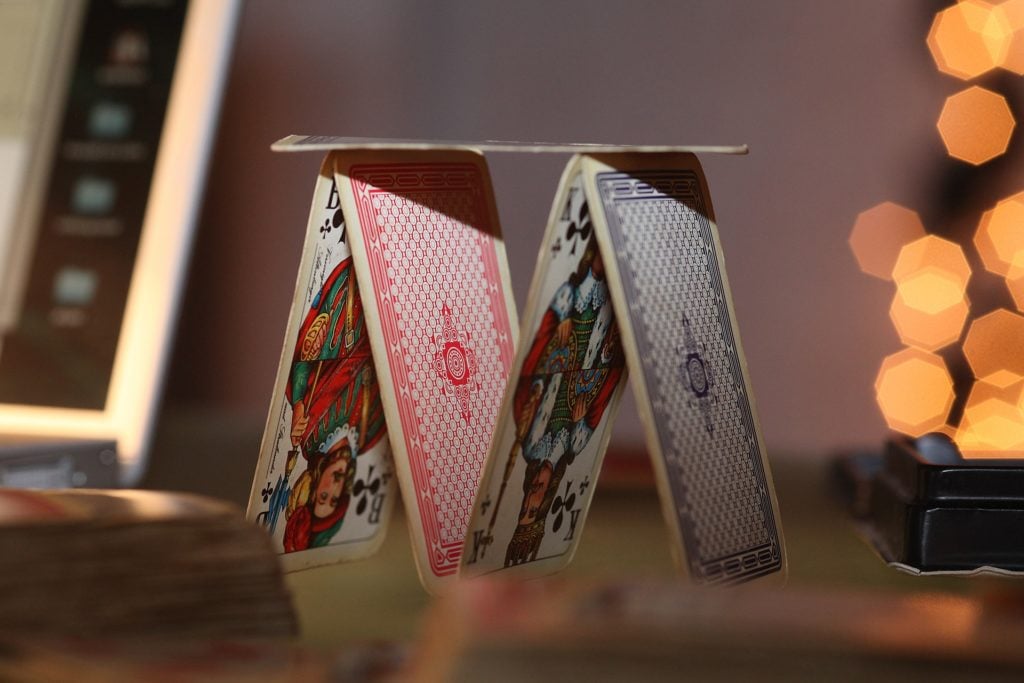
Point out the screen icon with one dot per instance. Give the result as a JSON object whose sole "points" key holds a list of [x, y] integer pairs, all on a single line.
{"points": [[110, 120], [74, 286], [130, 47], [93, 196]]}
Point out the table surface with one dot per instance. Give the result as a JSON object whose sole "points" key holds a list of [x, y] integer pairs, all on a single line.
{"points": [[345, 607], [624, 536]]}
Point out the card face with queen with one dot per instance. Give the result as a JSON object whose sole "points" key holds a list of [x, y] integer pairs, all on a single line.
{"points": [[422, 361], [324, 486], [414, 358]]}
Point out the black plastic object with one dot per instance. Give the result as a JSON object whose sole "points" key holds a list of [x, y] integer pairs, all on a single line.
{"points": [[923, 506]]}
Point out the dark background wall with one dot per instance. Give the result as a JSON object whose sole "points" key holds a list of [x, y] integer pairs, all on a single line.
{"points": [[837, 100]]}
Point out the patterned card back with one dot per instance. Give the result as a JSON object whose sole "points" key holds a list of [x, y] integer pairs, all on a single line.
{"points": [[673, 283], [441, 320]]}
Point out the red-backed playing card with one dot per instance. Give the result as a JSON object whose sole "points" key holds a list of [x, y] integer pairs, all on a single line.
{"points": [[431, 263]]}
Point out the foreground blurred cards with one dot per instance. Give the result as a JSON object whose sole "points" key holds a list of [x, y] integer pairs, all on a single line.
{"points": [[644, 630], [89, 564], [497, 450]]}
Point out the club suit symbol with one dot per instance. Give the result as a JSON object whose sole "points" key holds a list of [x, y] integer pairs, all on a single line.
{"points": [[369, 492], [562, 505], [365, 489], [578, 215]]}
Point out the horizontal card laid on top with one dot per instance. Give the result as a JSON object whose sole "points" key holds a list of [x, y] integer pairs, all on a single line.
{"points": [[326, 143], [402, 341]]}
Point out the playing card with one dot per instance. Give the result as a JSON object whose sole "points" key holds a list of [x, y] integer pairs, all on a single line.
{"points": [[324, 485], [429, 254], [669, 287], [556, 416]]}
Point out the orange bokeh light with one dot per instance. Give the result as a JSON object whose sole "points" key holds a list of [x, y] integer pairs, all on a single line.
{"points": [[975, 125], [1013, 13], [993, 423], [1016, 287], [878, 235], [914, 390], [982, 392], [928, 331], [1000, 237], [933, 255], [994, 347], [969, 38], [930, 306], [931, 290]]}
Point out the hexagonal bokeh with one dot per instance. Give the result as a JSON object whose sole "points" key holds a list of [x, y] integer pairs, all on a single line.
{"points": [[878, 235], [931, 254], [994, 347], [975, 125], [914, 390], [930, 307], [1000, 237], [1016, 287], [931, 290], [993, 423], [928, 331], [969, 38], [1013, 12], [983, 392]]}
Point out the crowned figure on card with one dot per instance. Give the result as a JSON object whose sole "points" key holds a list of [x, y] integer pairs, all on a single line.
{"points": [[336, 410], [567, 381]]}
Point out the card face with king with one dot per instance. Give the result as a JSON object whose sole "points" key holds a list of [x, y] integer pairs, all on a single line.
{"points": [[630, 275], [324, 486], [556, 417], [497, 449], [428, 252], [654, 220]]}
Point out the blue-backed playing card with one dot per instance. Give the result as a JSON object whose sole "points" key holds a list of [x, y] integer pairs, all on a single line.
{"points": [[653, 217]]}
